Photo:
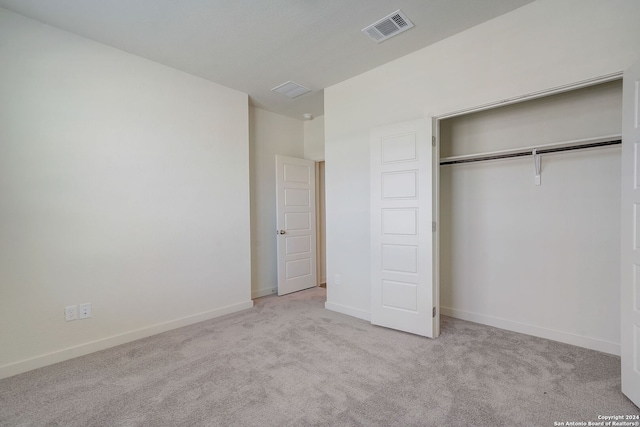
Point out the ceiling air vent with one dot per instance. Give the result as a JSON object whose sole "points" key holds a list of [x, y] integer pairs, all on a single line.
{"points": [[388, 26], [291, 89]]}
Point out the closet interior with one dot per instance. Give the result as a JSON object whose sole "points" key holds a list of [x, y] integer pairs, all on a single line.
{"points": [[530, 240]]}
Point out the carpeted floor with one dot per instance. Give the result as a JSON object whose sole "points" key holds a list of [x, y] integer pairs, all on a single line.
{"points": [[290, 362]]}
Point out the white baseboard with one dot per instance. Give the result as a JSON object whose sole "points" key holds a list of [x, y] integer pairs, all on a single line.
{"points": [[349, 311], [536, 331], [263, 292], [101, 344]]}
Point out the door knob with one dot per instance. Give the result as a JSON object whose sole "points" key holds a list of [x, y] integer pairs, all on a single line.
{"points": [[281, 232]]}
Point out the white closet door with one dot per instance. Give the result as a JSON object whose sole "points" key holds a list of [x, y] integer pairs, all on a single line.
{"points": [[402, 288], [630, 236]]}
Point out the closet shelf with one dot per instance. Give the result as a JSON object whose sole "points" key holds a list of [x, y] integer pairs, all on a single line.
{"points": [[580, 144]]}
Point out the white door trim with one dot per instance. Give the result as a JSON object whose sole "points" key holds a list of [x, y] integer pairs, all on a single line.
{"points": [[529, 96]]}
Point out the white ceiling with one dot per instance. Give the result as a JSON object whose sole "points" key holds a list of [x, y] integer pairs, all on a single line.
{"points": [[255, 45]]}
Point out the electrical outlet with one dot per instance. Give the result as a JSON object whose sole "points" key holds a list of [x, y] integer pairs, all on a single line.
{"points": [[84, 310], [70, 313], [336, 279]]}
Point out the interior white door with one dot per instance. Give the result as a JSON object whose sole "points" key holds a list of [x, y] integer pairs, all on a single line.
{"points": [[296, 227], [402, 285], [630, 236]]}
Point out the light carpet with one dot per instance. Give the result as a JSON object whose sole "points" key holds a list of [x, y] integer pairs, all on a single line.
{"points": [[290, 362]]}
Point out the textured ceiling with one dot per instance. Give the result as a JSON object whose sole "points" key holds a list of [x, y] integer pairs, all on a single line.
{"points": [[254, 45]]}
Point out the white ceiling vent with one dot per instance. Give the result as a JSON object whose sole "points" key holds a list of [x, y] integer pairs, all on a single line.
{"points": [[388, 26], [291, 89]]}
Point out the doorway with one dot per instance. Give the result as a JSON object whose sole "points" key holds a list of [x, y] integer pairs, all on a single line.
{"points": [[537, 259]]}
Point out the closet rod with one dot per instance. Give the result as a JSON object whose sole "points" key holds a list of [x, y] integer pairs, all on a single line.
{"points": [[529, 152]]}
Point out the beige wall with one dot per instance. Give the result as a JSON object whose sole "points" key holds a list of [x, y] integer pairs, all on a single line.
{"points": [[314, 139], [125, 184], [270, 134], [545, 44]]}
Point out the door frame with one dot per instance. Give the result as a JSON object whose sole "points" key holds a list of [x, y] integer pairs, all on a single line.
{"points": [[321, 256], [528, 97]]}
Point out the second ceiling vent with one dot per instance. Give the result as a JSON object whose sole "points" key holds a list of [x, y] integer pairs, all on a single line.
{"points": [[388, 26], [291, 89]]}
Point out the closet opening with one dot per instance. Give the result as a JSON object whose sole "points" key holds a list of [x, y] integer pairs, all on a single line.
{"points": [[529, 216]]}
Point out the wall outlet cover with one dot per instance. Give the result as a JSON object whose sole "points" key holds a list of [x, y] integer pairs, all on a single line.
{"points": [[84, 310], [70, 313]]}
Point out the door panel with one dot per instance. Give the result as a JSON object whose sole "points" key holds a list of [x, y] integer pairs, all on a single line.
{"points": [[630, 236], [296, 224], [402, 290]]}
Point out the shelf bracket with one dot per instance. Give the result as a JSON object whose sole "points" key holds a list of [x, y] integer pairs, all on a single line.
{"points": [[536, 164]]}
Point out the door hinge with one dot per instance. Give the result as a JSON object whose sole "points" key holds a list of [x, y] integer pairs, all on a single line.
{"points": [[433, 141], [433, 226], [434, 312]]}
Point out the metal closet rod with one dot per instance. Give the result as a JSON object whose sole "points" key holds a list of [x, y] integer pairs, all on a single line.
{"points": [[530, 152]]}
